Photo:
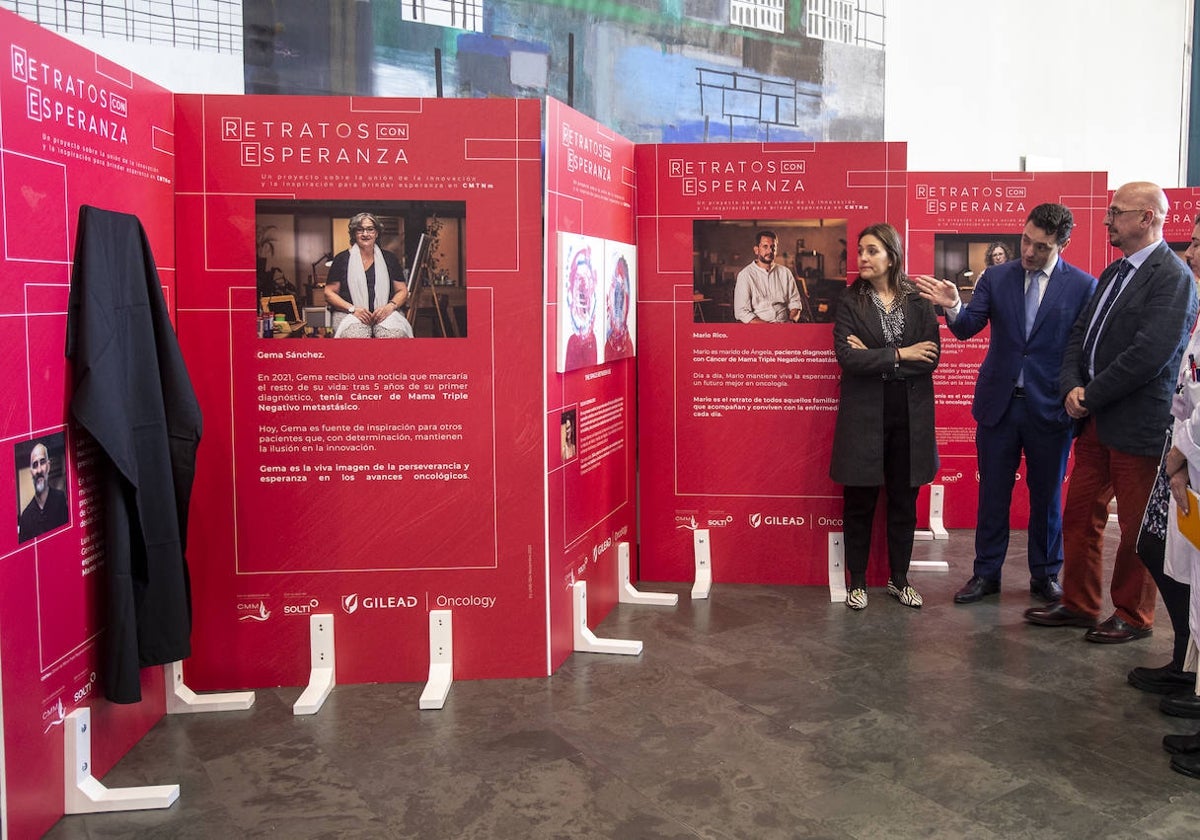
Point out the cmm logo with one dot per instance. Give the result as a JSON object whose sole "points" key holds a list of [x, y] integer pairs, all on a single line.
{"points": [[350, 603], [254, 612]]}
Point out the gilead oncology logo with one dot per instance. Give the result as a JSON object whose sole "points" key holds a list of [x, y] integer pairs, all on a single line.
{"points": [[757, 520], [351, 603]]}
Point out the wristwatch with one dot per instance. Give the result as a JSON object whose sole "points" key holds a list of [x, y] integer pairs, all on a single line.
{"points": [[350, 309]]}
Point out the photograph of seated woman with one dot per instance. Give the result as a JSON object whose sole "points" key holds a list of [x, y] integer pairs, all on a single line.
{"points": [[365, 287], [886, 340]]}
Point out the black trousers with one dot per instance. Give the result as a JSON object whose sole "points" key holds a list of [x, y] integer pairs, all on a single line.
{"points": [[858, 514], [1175, 595]]}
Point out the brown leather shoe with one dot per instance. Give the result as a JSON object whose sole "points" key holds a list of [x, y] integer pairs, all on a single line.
{"points": [[1056, 615], [1114, 630]]}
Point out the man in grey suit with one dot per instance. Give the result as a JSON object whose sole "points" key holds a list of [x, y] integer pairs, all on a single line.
{"points": [[1117, 379]]}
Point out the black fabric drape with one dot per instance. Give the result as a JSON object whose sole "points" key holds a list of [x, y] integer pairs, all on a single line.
{"points": [[133, 395]]}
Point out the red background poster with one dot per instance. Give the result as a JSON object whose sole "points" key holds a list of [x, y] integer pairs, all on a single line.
{"points": [[591, 276], [373, 479], [76, 129], [1181, 220], [952, 219], [737, 419]]}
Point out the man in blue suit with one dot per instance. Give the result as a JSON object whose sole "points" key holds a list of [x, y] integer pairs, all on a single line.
{"points": [[1031, 304]]}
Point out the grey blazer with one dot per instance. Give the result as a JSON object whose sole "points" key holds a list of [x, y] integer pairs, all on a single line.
{"points": [[858, 436], [1137, 354]]}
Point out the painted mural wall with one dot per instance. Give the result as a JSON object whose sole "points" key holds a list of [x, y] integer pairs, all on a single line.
{"points": [[651, 70]]}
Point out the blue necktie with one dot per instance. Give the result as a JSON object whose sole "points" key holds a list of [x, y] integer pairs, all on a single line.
{"points": [[1032, 299], [1031, 308], [1089, 343]]}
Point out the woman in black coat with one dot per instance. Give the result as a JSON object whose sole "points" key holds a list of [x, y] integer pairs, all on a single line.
{"points": [[886, 340]]}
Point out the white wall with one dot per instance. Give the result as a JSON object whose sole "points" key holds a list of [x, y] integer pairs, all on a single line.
{"points": [[178, 70], [1094, 85]]}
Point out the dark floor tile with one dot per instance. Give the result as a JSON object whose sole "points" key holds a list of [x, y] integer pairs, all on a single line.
{"points": [[764, 711]]}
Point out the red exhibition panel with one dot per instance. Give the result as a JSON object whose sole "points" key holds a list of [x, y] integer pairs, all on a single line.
{"points": [[591, 287], [737, 419], [953, 218], [375, 480], [1181, 220], [75, 130]]}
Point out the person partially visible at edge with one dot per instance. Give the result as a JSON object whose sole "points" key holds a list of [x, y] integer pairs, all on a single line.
{"points": [[885, 338], [48, 507], [1031, 306], [366, 286], [1172, 560], [766, 292]]}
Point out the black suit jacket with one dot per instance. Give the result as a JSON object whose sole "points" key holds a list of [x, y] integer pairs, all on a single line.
{"points": [[1137, 354], [133, 395], [858, 435]]}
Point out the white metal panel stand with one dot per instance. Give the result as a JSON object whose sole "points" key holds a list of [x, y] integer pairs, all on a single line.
{"points": [[937, 530], [837, 567], [182, 700], [83, 793], [441, 660], [321, 677], [627, 593], [585, 640], [703, 552]]}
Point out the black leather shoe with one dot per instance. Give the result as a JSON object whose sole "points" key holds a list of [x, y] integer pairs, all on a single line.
{"points": [[1180, 705], [976, 589], [1165, 680], [1182, 744], [1188, 765], [1114, 630], [1046, 588], [1056, 615]]}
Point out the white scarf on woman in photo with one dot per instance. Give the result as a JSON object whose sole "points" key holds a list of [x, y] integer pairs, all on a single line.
{"points": [[356, 276]]}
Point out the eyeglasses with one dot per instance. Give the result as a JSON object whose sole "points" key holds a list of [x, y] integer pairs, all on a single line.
{"points": [[365, 229], [1113, 212]]}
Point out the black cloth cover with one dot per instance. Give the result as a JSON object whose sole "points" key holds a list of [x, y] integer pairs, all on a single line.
{"points": [[132, 394]]}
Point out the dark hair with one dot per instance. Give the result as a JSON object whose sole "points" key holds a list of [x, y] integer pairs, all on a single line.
{"points": [[894, 245], [770, 234], [992, 246], [1055, 219]]}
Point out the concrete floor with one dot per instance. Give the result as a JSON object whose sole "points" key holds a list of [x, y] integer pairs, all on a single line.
{"points": [[764, 712]]}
